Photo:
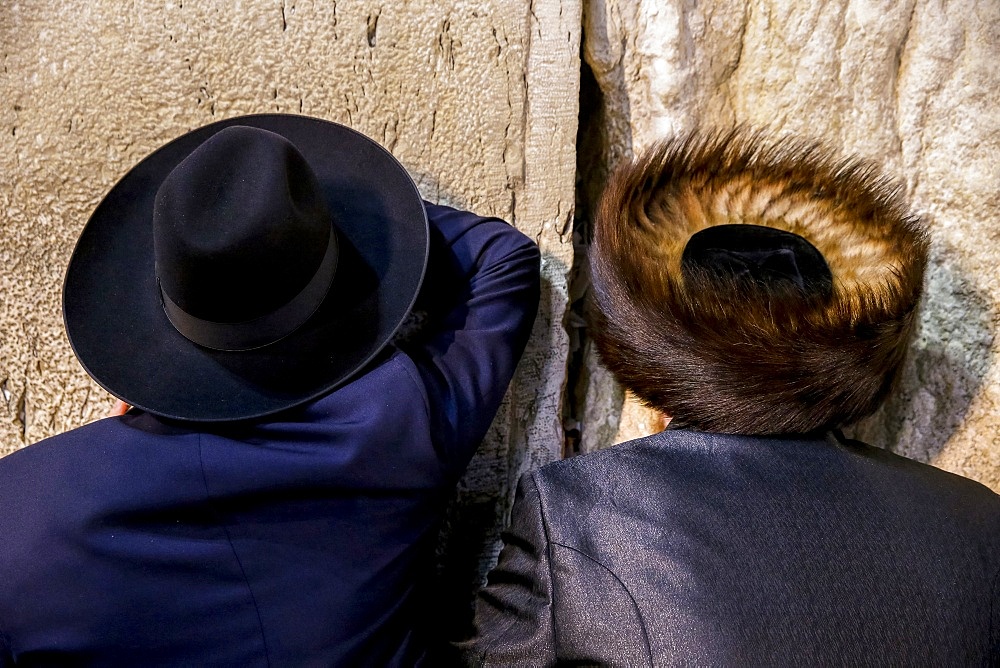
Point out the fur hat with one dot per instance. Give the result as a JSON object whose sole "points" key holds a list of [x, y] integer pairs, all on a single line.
{"points": [[718, 352]]}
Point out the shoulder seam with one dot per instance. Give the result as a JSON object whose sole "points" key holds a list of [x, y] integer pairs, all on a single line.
{"points": [[229, 539], [638, 612], [413, 375], [548, 559]]}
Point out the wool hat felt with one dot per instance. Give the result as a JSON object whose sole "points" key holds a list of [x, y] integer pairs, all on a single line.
{"points": [[245, 268]]}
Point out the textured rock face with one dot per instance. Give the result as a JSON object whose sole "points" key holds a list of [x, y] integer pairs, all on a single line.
{"points": [[910, 85]]}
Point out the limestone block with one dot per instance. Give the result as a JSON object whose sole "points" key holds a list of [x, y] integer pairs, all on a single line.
{"points": [[910, 85], [476, 98]]}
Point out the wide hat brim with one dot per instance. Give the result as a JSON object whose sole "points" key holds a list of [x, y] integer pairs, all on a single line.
{"points": [[120, 333]]}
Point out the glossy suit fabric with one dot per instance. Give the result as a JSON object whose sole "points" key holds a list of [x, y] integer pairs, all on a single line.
{"points": [[703, 549], [304, 540]]}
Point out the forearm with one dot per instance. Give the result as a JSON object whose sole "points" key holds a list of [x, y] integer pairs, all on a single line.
{"points": [[480, 294]]}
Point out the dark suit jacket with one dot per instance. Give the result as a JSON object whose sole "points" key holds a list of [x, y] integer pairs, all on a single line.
{"points": [[306, 540], [712, 550]]}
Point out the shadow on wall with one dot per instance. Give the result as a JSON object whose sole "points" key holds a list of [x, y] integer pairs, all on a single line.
{"points": [[946, 366], [467, 549]]}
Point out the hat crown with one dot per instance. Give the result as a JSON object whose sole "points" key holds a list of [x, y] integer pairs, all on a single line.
{"points": [[240, 226]]}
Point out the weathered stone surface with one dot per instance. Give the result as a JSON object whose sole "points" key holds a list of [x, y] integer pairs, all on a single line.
{"points": [[476, 99], [910, 85]]}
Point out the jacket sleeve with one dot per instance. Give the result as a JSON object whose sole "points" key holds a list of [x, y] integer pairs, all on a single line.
{"points": [[514, 622], [479, 299]]}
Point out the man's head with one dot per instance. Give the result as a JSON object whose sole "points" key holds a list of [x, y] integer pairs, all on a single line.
{"points": [[245, 268], [742, 286]]}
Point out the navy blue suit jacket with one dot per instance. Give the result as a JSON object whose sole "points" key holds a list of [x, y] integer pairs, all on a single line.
{"points": [[304, 540]]}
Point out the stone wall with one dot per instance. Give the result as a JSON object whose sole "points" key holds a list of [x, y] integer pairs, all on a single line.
{"points": [[909, 84]]}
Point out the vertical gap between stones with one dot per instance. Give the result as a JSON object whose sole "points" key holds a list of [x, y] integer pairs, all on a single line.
{"points": [[590, 174]]}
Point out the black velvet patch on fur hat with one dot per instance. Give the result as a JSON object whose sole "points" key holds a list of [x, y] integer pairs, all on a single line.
{"points": [[765, 256]]}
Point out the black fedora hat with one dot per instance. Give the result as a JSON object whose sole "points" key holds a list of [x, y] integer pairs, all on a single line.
{"points": [[245, 268]]}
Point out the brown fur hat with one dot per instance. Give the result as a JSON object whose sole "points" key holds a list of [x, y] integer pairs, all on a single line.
{"points": [[741, 357]]}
